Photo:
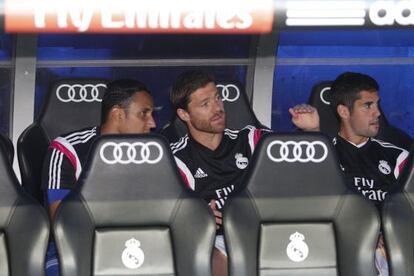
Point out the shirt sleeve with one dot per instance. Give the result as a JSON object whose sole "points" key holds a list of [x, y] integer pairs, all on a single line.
{"points": [[254, 136], [185, 173], [400, 163], [58, 171]]}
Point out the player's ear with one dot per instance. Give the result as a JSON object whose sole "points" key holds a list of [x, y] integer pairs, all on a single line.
{"points": [[343, 111], [117, 113], [183, 114]]}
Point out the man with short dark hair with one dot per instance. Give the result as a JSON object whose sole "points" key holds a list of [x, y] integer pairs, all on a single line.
{"points": [[371, 166], [211, 158], [127, 107]]}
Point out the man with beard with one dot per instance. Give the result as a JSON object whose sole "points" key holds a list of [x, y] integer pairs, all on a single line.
{"points": [[371, 166], [211, 158]]}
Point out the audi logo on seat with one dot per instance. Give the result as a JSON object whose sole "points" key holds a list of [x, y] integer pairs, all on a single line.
{"points": [[79, 92], [293, 151], [126, 153], [229, 92], [322, 95]]}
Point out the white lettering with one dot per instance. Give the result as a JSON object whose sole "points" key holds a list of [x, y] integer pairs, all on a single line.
{"points": [[224, 192], [107, 13], [357, 181], [400, 9], [79, 15], [41, 10], [363, 182], [220, 203], [85, 15], [384, 13], [193, 20], [246, 20], [376, 195], [381, 13], [225, 19], [210, 19]]}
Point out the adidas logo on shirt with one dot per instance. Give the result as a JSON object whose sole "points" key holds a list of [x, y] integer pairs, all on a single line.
{"points": [[200, 173]]}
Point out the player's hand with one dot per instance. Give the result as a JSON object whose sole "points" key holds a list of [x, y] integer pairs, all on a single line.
{"points": [[305, 117], [217, 214]]}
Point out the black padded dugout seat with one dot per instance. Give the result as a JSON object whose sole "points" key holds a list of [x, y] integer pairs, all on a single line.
{"points": [[132, 215], [69, 105], [7, 145], [329, 124], [296, 216], [24, 226], [238, 111], [398, 225]]}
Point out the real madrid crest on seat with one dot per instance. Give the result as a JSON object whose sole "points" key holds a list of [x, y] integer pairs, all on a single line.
{"points": [[296, 213]]}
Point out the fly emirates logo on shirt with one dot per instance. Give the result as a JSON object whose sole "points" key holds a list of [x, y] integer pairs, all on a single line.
{"points": [[154, 16], [222, 195], [366, 187]]}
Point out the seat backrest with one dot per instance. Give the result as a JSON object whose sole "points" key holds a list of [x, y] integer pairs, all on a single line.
{"points": [[7, 145], [69, 105], [329, 124], [135, 214], [398, 224], [238, 111], [296, 215], [24, 226]]}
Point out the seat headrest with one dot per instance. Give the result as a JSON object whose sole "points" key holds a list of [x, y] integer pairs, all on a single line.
{"points": [[238, 110], [295, 165], [321, 99], [72, 104], [133, 175]]}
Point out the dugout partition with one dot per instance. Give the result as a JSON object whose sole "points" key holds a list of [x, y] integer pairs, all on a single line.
{"points": [[130, 214], [298, 217], [70, 104]]}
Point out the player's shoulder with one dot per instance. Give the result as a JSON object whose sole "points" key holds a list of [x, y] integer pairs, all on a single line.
{"points": [[180, 145], [386, 145], [245, 131], [78, 137]]}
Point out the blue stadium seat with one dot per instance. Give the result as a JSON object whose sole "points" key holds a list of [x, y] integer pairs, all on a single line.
{"points": [[238, 111], [329, 124], [24, 226], [69, 105], [130, 214], [296, 215]]}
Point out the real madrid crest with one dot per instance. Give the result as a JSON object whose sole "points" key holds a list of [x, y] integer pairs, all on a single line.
{"points": [[241, 161], [384, 167], [133, 256], [297, 250]]}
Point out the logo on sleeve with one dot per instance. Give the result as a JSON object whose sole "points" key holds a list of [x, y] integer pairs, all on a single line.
{"points": [[384, 167], [200, 173], [132, 256], [297, 250], [241, 161]]}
